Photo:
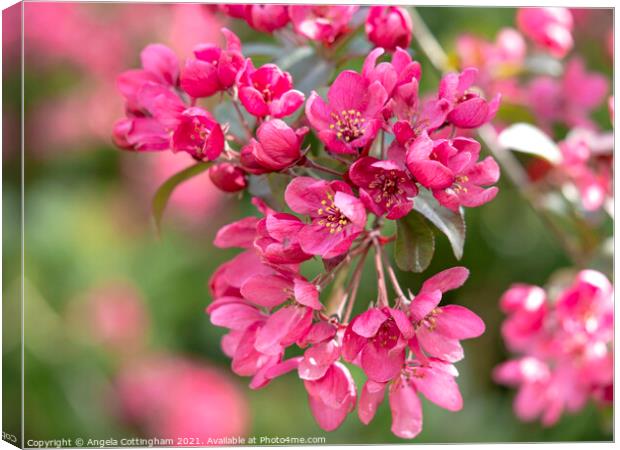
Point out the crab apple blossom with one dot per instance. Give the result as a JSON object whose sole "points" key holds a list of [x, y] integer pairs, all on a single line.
{"points": [[469, 109], [350, 120], [450, 168], [385, 186], [268, 91], [323, 23], [338, 217], [564, 345], [329, 180], [198, 134], [266, 18], [388, 27], [549, 28], [213, 69], [278, 146], [569, 100], [228, 177]]}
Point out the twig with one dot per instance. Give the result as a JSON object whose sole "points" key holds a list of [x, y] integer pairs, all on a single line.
{"points": [[381, 285], [317, 166], [354, 285], [244, 123]]}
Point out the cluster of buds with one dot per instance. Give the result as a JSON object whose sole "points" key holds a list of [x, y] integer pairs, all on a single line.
{"points": [[383, 145], [565, 343]]}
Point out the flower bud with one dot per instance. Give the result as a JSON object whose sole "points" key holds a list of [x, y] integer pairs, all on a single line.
{"points": [[228, 177], [389, 27]]}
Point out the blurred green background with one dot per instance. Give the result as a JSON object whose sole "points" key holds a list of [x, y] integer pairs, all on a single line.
{"points": [[87, 222]]}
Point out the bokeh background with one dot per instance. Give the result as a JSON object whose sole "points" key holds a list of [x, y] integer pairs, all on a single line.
{"points": [[117, 343]]}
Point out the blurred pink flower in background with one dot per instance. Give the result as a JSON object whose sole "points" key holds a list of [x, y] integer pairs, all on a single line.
{"points": [[565, 344], [549, 28], [498, 62], [568, 100], [173, 397], [83, 115]]}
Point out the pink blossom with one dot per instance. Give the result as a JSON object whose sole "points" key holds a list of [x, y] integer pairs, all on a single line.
{"points": [[268, 91], [564, 345], [469, 109], [331, 397], [498, 62], [168, 396], [228, 177], [434, 379], [439, 329], [277, 239], [389, 27], [450, 168], [350, 120], [385, 187], [198, 134], [379, 338], [527, 309], [324, 23], [267, 18], [570, 100], [214, 69], [337, 216], [549, 28], [278, 146]]}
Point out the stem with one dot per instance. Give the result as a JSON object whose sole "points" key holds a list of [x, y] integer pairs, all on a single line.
{"points": [[487, 134], [401, 295], [244, 123], [354, 285], [317, 166], [381, 285]]}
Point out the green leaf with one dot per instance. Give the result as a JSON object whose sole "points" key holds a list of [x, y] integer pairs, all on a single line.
{"points": [[160, 200], [316, 74], [262, 49], [415, 243], [449, 222]]}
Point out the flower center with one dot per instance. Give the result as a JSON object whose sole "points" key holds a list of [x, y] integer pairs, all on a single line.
{"points": [[265, 90], [199, 135], [348, 124], [430, 321], [457, 186], [387, 336], [330, 215], [387, 187]]}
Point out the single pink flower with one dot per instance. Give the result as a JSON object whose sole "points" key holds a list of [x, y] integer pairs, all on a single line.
{"points": [[349, 122], [268, 91], [389, 27], [324, 23], [439, 329], [385, 187], [278, 146], [198, 134], [469, 109], [549, 28], [526, 306], [266, 18], [378, 337], [214, 69], [434, 379], [331, 397], [159, 60], [450, 168], [337, 216], [228, 177], [277, 239]]}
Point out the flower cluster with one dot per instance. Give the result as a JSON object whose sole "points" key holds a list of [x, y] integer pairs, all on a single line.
{"points": [[565, 343], [563, 98], [382, 145]]}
